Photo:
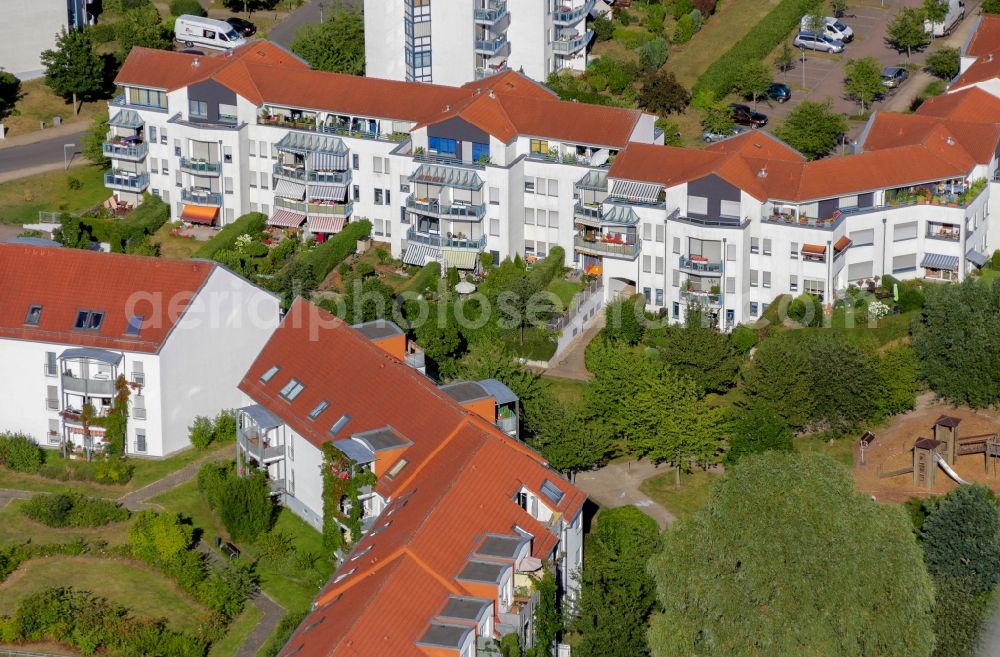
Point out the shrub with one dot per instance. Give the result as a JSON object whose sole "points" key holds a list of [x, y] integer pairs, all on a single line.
{"points": [[144, 220], [684, 29], [159, 538], [603, 28], [193, 7], [486, 259], [995, 260], [806, 310], [251, 223], [943, 63], [20, 453], [243, 504], [211, 481], [547, 269], [283, 633], [426, 280], [681, 8], [759, 431], [330, 253], [113, 470], [225, 427], [201, 432], [74, 183], [103, 32], [653, 54], [73, 510], [275, 546], [743, 338]]}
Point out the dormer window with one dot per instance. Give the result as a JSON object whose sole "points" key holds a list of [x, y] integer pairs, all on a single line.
{"points": [[134, 325], [291, 390], [268, 375], [320, 407], [34, 315], [89, 320], [551, 491]]}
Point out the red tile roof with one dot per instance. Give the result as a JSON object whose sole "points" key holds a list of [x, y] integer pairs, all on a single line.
{"points": [[510, 82], [986, 38], [985, 68], [54, 278], [971, 104]]}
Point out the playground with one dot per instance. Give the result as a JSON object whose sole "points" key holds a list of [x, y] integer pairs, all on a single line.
{"points": [[926, 451]]}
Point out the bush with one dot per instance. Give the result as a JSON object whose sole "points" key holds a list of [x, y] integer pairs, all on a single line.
{"points": [[330, 253], [193, 7], [144, 220], [251, 223], [112, 470], [73, 510], [806, 310], [653, 54], [283, 633], [243, 503], [759, 431], [720, 77], [547, 269], [943, 63], [201, 432], [743, 338], [426, 280], [101, 33], [225, 427], [603, 29], [681, 8], [684, 29], [212, 480], [486, 259], [995, 260], [159, 538], [20, 453]]}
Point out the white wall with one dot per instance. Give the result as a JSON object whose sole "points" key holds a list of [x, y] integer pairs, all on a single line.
{"points": [[384, 39], [29, 27]]}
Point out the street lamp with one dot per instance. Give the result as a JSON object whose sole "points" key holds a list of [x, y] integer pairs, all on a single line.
{"points": [[67, 158]]}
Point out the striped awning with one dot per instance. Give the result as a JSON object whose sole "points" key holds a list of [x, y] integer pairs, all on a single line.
{"points": [[976, 258], [320, 224], [305, 143], [199, 214], [463, 259], [286, 219], [433, 174], [842, 244], [620, 215], [323, 161], [818, 249], [289, 189], [938, 261], [420, 254], [637, 192], [328, 192], [126, 119]]}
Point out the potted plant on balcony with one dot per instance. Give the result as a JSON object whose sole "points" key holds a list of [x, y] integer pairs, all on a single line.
{"points": [[803, 219], [715, 290], [419, 151]]}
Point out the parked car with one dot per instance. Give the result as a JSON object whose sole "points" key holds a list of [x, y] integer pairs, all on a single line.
{"points": [[712, 137], [242, 26], [779, 92], [746, 116], [830, 26], [820, 42], [206, 32], [893, 76]]}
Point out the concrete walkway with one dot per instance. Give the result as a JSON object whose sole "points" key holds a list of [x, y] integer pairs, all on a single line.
{"points": [[571, 364], [617, 484], [8, 494], [137, 500]]}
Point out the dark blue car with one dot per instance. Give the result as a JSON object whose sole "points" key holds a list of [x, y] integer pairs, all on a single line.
{"points": [[779, 92]]}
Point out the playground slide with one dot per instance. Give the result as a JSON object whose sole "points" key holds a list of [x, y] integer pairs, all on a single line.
{"points": [[947, 469]]}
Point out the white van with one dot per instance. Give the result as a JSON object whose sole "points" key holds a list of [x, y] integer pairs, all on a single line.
{"points": [[956, 12], [208, 32], [832, 27]]}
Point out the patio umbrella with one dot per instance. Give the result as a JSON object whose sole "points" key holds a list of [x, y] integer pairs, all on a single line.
{"points": [[465, 287]]}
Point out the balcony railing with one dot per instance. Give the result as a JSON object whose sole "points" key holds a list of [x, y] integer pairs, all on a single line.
{"points": [[445, 242], [491, 46], [487, 71], [201, 197], [455, 210], [201, 167], [944, 233], [300, 173], [436, 158], [564, 16], [614, 249], [492, 12], [813, 222], [569, 46], [252, 443], [134, 152], [702, 298], [590, 214], [134, 182], [119, 101], [508, 425], [701, 266], [337, 209], [280, 121], [99, 387], [75, 416]]}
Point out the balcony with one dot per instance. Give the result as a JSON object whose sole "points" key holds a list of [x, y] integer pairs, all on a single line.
{"points": [[119, 101], [455, 210], [277, 486], [491, 46], [566, 16], [200, 167], [331, 209], [601, 248], [700, 298], [438, 158], [329, 177], [487, 71], [126, 180], [250, 442], [75, 416], [947, 232], [815, 222], [508, 425], [88, 387], [310, 124], [201, 197], [119, 150], [701, 265], [569, 45], [444, 242], [287, 171], [491, 13]]}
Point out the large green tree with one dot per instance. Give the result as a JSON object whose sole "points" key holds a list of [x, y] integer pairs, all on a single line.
{"points": [[905, 32], [863, 80], [844, 383], [700, 353], [778, 379], [73, 69], [943, 62], [780, 562], [961, 538], [617, 594], [757, 431], [337, 44], [754, 80], [959, 617], [10, 92], [624, 320], [92, 145], [663, 94], [812, 128], [143, 27]]}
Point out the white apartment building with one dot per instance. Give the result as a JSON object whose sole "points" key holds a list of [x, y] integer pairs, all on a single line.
{"points": [[31, 26], [182, 333], [457, 41], [460, 511]]}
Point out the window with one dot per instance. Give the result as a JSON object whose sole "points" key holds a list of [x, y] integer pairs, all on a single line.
{"points": [[404, 184], [659, 296], [140, 440], [227, 184], [378, 197], [387, 197], [208, 34], [138, 376], [677, 278], [52, 398], [814, 287], [227, 154], [765, 278], [494, 196], [89, 320], [265, 208], [396, 468], [529, 216], [731, 252], [647, 232], [291, 390], [552, 492], [264, 179], [495, 227], [904, 263], [753, 309], [54, 432], [553, 187], [697, 205], [139, 407], [529, 185], [229, 215], [675, 310], [677, 245], [754, 245], [377, 164], [355, 162], [767, 246], [480, 152], [134, 325], [795, 251], [540, 217], [647, 264], [647, 294], [793, 283], [198, 108], [148, 98], [730, 285], [320, 407], [357, 192], [553, 219], [860, 270], [753, 278], [541, 185], [659, 265], [443, 146], [34, 315], [863, 237], [268, 375], [907, 231], [152, 133], [540, 146], [729, 208], [660, 231], [163, 136], [50, 364]]}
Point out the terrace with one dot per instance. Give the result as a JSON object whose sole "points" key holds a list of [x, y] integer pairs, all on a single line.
{"points": [[331, 124]]}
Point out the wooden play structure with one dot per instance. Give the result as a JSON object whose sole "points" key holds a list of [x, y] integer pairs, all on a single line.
{"points": [[943, 449]]}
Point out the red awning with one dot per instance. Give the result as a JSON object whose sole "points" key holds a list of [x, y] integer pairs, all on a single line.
{"points": [[842, 243], [818, 249], [326, 224], [199, 214], [286, 219]]}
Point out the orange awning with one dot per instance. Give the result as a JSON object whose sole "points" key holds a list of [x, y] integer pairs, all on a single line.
{"points": [[199, 214], [842, 243], [818, 249]]}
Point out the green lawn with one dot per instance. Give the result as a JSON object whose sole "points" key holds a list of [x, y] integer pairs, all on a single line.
{"points": [[15, 527], [681, 500], [238, 631], [841, 449], [893, 327], [172, 246], [190, 503], [565, 290], [569, 392], [21, 200], [537, 344], [141, 589], [37, 103]]}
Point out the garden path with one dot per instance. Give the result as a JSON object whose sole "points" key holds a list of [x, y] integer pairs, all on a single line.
{"points": [[617, 484]]}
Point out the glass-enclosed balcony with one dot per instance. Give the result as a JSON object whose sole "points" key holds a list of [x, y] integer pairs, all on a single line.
{"points": [[491, 12], [566, 15], [570, 41], [200, 166], [130, 181]]}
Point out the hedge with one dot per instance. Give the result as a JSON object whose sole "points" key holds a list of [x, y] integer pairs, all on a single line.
{"points": [[225, 239], [330, 253], [283, 633], [192, 7], [73, 510], [144, 220], [550, 266], [20, 453], [110, 470], [756, 45]]}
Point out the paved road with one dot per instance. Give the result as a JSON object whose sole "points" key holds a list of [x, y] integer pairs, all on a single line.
{"points": [[38, 156], [617, 485]]}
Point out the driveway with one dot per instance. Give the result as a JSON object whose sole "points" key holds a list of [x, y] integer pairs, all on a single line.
{"points": [[617, 484]]}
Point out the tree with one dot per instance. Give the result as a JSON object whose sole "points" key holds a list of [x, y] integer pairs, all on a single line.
{"points": [[368, 299], [841, 403], [440, 340], [10, 92], [570, 439], [143, 27], [778, 380], [770, 567], [73, 69], [990, 7], [785, 60], [337, 44], [899, 380], [961, 538], [754, 80], [812, 128], [717, 118], [624, 320], [159, 538], [663, 94], [296, 279], [905, 32], [201, 433], [247, 508], [92, 145], [603, 29], [653, 54], [190, 7], [863, 80], [617, 594], [943, 63], [959, 616], [935, 11], [758, 431], [700, 353]]}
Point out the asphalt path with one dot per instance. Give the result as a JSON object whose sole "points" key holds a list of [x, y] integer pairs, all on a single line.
{"points": [[42, 153]]}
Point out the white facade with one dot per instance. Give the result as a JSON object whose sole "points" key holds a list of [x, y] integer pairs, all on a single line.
{"points": [[30, 27], [455, 41]]}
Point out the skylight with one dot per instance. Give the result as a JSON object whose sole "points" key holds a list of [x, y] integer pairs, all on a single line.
{"points": [[552, 492], [396, 468], [340, 424], [89, 320], [320, 407], [345, 575], [268, 375], [34, 315], [291, 390], [368, 548], [134, 324]]}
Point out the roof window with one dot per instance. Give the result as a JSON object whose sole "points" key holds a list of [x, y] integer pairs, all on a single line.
{"points": [[340, 424], [134, 325], [291, 390], [344, 576], [551, 491], [320, 407], [396, 468], [268, 375], [34, 315], [89, 320], [368, 548], [313, 625]]}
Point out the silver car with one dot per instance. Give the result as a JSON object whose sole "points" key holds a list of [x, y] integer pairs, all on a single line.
{"points": [[820, 42], [712, 137]]}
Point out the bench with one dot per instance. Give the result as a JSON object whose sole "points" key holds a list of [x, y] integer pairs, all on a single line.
{"points": [[867, 439]]}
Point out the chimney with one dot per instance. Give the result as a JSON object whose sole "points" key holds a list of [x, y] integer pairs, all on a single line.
{"points": [[492, 95], [447, 108], [195, 63]]}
